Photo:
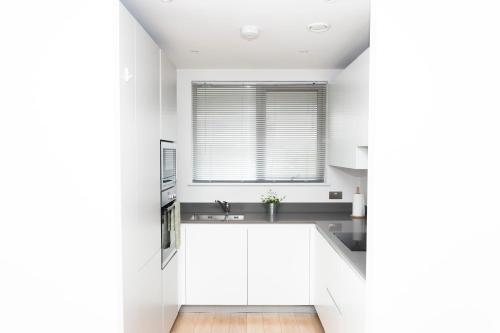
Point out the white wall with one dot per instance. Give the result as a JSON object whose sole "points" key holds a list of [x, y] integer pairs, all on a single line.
{"points": [[337, 179], [433, 249], [60, 227]]}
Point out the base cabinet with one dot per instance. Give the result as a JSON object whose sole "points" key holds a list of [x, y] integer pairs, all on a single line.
{"points": [[278, 264], [247, 264], [143, 298], [328, 312], [216, 264], [338, 291], [170, 295], [353, 302]]}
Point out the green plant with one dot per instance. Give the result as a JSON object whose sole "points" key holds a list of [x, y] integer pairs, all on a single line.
{"points": [[271, 197]]}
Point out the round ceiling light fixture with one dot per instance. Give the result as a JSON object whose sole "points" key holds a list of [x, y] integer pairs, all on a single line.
{"points": [[249, 32], [318, 27]]}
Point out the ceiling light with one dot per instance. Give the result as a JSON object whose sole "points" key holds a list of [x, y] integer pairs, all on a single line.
{"points": [[194, 51], [249, 32], [318, 27], [303, 51], [166, 0]]}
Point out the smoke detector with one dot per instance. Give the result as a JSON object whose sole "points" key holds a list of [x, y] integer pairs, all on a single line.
{"points": [[318, 27], [249, 32]]}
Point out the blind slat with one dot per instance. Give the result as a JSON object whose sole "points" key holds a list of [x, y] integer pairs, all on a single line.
{"points": [[259, 131]]}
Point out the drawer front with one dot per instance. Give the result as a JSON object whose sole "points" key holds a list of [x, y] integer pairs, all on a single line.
{"points": [[328, 313]]}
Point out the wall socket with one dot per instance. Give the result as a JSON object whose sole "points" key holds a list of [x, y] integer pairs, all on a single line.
{"points": [[335, 195]]}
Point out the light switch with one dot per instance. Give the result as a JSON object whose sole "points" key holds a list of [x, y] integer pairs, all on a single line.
{"points": [[335, 195]]}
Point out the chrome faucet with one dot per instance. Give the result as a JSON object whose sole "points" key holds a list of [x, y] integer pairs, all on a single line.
{"points": [[226, 206]]}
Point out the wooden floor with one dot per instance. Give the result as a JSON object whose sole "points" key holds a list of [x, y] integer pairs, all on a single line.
{"points": [[247, 323]]}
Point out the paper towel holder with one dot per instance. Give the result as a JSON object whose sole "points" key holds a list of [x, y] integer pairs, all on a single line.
{"points": [[358, 203]]}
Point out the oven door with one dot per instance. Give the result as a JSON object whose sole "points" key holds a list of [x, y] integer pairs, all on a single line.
{"points": [[168, 249], [168, 164]]}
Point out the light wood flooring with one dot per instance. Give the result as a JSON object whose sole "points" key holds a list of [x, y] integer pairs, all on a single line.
{"points": [[247, 323]]}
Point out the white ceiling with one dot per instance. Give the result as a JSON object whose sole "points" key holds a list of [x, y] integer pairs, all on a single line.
{"points": [[213, 28]]}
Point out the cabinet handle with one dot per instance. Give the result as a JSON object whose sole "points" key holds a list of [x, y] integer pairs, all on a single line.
{"points": [[333, 300], [126, 75]]}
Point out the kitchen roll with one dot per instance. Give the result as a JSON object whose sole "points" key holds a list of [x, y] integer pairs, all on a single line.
{"points": [[358, 205]]}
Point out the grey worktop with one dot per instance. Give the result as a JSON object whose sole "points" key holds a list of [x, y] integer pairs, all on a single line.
{"points": [[324, 222]]}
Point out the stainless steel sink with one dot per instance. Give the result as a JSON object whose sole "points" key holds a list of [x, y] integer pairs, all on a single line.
{"points": [[217, 217]]}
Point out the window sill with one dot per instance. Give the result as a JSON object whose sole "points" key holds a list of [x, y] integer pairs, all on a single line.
{"points": [[261, 184]]}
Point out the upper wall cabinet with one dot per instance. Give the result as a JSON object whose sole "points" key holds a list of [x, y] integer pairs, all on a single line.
{"points": [[348, 130], [168, 99]]}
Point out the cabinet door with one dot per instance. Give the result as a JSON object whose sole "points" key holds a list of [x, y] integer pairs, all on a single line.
{"points": [[128, 136], [148, 144], [168, 99], [326, 278], [216, 264], [278, 264], [348, 104], [353, 300], [170, 293], [143, 298], [329, 312]]}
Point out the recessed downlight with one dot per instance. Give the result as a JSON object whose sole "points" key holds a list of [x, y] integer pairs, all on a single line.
{"points": [[249, 32], [318, 27]]}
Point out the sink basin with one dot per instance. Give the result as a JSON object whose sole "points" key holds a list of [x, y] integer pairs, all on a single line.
{"points": [[217, 217]]}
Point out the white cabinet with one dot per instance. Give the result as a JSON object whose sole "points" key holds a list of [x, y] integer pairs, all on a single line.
{"points": [[147, 113], [170, 293], [139, 143], [353, 302], [143, 298], [168, 99], [128, 140], [216, 264], [348, 116], [278, 264], [231, 264], [326, 281], [338, 291], [140, 135]]}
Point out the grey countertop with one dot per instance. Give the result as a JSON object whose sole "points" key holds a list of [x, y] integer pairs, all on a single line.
{"points": [[326, 223]]}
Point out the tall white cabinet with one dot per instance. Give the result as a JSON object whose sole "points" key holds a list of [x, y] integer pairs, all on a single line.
{"points": [[168, 99], [140, 134], [348, 116]]}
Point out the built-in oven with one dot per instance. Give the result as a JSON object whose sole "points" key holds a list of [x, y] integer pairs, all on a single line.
{"points": [[168, 164], [168, 239], [168, 197]]}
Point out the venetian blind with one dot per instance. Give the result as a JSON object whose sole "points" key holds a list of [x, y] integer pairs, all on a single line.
{"points": [[259, 131]]}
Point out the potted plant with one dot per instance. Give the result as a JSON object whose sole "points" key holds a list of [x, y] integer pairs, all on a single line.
{"points": [[271, 201]]}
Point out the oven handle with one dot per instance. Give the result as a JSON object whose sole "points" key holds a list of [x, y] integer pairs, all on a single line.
{"points": [[164, 222]]}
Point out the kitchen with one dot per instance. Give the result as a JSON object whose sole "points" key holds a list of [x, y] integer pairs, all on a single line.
{"points": [[235, 132], [202, 166]]}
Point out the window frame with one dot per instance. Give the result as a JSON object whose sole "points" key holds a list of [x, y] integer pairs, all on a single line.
{"points": [[322, 135]]}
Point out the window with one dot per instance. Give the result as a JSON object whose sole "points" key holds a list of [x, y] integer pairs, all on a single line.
{"points": [[259, 132]]}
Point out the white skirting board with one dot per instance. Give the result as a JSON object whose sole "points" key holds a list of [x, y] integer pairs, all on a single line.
{"points": [[247, 309]]}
